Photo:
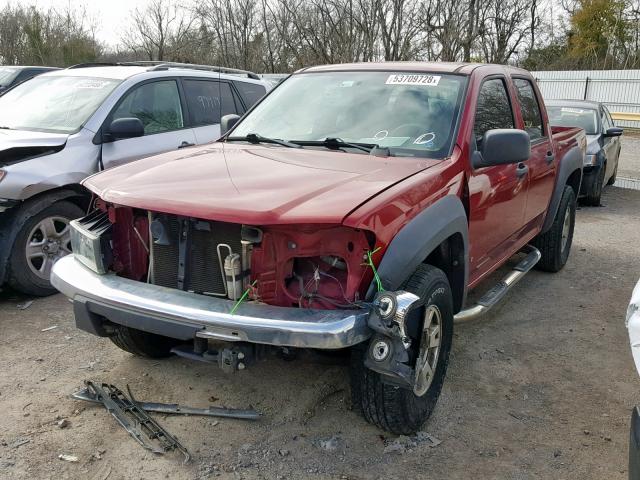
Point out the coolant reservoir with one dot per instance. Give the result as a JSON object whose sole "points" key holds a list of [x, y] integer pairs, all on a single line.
{"points": [[232, 273]]}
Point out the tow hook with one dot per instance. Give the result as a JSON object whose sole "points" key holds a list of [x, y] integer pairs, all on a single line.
{"points": [[388, 352], [229, 360]]}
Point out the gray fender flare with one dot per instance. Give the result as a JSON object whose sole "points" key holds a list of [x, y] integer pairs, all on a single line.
{"points": [[418, 238], [12, 220], [572, 161]]}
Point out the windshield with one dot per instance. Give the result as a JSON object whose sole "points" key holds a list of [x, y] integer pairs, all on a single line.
{"points": [[411, 114], [7, 75], [53, 104], [574, 117]]}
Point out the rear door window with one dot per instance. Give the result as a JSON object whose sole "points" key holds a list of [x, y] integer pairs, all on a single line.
{"points": [[493, 109], [208, 101], [250, 92], [530, 108], [156, 104]]}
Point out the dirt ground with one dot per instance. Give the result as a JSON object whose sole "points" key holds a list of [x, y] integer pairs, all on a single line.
{"points": [[540, 388]]}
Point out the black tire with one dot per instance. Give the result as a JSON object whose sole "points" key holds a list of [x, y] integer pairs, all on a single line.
{"points": [[143, 344], [396, 409], [593, 196], [550, 243], [612, 179], [20, 275]]}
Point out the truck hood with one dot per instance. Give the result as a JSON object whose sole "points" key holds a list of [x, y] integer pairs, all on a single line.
{"points": [[19, 145], [254, 184]]}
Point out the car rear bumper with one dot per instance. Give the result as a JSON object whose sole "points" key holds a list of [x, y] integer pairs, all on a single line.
{"points": [[99, 299]]}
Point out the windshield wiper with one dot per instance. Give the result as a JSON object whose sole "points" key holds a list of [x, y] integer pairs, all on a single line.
{"points": [[256, 138], [337, 144]]}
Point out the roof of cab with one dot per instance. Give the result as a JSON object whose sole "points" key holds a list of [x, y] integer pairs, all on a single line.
{"points": [[432, 67]]}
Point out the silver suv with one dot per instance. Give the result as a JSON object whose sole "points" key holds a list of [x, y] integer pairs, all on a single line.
{"points": [[60, 127]]}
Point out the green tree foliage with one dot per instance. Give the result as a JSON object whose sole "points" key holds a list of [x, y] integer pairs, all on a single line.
{"points": [[29, 36], [598, 34]]}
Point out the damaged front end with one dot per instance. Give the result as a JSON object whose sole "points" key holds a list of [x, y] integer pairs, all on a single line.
{"points": [[201, 280]]}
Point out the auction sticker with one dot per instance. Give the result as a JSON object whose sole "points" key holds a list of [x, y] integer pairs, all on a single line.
{"points": [[412, 79]]}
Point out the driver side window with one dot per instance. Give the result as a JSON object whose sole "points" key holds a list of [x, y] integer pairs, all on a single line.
{"points": [[156, 104], [493, 109]]}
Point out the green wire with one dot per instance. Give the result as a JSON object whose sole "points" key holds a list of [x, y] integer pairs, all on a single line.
{"points": [[375, 271], [244, 295]]}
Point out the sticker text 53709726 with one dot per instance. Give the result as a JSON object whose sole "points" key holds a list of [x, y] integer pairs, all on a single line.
{"points": [[412, 79]]}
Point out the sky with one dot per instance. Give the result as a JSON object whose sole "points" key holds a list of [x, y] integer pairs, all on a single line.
{"points": [[110, 16]]}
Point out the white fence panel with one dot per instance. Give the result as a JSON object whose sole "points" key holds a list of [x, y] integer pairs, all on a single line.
{"points": [[619, 90]]}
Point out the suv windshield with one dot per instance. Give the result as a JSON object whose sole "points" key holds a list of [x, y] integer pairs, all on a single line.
{"points": [[53, 104], [574, 117], [411, 114], [7, 74]]}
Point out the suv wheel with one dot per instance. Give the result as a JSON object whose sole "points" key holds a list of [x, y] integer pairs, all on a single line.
{"points": [[400, 410], [43, 239], [555, 244]]}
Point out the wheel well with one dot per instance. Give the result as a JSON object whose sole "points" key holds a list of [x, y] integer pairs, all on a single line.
{"points": [[74, 193], [574, 181], [449, 257]]}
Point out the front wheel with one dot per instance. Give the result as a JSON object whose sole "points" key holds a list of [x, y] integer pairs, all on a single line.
{"points": [[43, 239], [430, 324], [555, 244], [143, 344]]}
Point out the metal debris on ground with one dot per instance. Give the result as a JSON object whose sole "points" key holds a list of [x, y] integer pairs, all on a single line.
{"points": [[173, 408], [24, 305], [49, 328], [144, 429], [68, 458]]}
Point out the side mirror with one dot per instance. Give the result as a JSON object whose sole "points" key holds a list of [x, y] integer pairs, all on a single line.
{"points": [[502, 146], [228, 122], [124, 128], [613, 132]]}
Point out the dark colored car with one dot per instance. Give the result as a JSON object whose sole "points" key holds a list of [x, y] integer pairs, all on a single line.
{"points": [[603, 144], [13, 75]]}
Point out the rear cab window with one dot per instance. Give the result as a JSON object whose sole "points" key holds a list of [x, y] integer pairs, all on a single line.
{"points": [[530, 108], [493, 109]]}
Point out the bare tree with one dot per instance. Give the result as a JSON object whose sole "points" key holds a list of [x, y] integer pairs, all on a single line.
{"points": [[161, 31]]}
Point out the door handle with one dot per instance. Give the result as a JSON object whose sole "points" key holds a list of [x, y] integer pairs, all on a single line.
{"points": [[549, 157], [186, 144], [521, 170]]}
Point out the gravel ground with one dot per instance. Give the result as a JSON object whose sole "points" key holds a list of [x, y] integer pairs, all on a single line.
{"points": [[540, 388]]}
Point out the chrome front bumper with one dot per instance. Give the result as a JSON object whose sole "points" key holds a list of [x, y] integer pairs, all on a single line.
{"points": [[164, 310]]}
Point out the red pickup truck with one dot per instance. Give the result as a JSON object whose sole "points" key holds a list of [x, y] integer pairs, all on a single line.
{"points": [[352, 208]]}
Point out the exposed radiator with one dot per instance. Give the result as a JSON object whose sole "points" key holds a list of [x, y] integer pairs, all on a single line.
{"points": [[202, 268]]}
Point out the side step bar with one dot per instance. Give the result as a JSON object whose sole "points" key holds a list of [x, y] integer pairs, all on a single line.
{"points": [[498, 291]]}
